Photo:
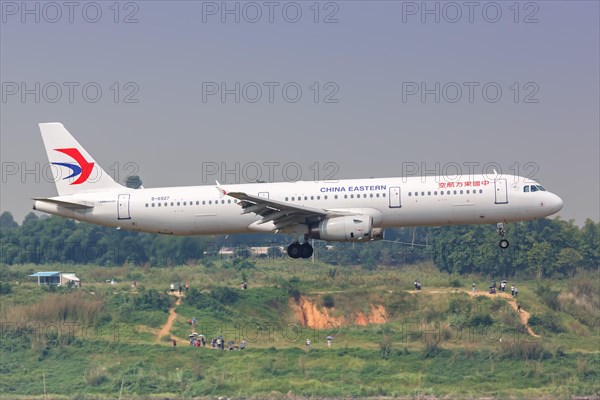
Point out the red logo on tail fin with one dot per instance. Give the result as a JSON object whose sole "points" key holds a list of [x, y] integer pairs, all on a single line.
{"points": [[84, 169]]}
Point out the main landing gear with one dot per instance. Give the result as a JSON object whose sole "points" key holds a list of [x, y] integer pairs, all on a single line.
{"points": [[297, 250], [503, 242]]}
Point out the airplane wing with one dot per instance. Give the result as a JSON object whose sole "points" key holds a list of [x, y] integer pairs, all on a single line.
{"points": [[282, 214]]}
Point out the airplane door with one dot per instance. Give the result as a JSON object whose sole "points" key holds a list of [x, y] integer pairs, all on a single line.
{"points": [[394, 196], [501, 191], [263, 194], [123, 207]]}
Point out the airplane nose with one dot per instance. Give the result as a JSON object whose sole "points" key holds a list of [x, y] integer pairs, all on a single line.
{"points": [[555, 203]]}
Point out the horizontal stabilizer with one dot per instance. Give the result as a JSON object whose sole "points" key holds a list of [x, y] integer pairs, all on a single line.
{"points": [[66, 204]]}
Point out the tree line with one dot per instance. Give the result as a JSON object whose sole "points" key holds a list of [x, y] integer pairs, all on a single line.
{"points": [[541, 248]]}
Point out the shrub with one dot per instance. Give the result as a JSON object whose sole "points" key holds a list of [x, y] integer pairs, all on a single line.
{"points": [[547, 321], [455, 283], [5, 288], [482, 320], [524, 350], [385, 347], [152, 299], [328, 301], [548, 296], [95, 376], [292, 287], [224, 295], [204, 302]]}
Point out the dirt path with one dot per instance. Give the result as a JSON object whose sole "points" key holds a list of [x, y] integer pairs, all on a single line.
{"points": [[165, 330], [523, 315]]}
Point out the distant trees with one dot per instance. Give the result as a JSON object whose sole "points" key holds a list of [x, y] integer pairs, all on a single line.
{"points": [[540, 248]]}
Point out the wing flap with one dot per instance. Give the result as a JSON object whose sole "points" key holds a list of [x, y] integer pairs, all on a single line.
{"points": [[280, 213]]}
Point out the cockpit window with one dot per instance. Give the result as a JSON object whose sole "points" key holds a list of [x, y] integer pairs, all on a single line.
{"points": [[534, 188], [540, 187], [526, 188]]}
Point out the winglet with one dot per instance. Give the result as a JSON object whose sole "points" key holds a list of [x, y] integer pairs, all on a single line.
{"points": [[220, 189]]}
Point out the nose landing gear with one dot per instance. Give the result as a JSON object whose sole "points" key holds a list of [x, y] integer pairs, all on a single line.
{"points": [[503, 242]]}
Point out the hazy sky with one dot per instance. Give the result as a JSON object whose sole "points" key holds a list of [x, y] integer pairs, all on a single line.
{"points": [[179, 92]]}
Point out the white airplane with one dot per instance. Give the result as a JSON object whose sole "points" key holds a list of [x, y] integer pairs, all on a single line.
{"points": [[355, 210]]}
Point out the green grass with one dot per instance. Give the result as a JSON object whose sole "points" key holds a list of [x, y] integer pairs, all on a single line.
{"points": [[433, 346]]}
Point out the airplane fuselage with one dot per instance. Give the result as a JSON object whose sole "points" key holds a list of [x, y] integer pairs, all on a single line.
{"points": [[391, 202]]}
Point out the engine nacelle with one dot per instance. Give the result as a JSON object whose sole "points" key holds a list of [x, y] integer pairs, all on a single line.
{"points": [[346, 229]]}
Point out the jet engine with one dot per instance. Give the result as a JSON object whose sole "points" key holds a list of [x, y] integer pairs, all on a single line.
{"points": [[354, 228]]}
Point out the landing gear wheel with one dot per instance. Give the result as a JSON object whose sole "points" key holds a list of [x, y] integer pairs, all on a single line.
{"points": [[306, 250], [504, 244], [294, 250]]}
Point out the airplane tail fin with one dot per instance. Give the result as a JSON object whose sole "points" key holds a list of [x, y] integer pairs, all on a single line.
{"points": [[73, 168]]}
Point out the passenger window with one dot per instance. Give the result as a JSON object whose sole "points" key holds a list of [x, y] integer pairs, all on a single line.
{"points": [[146, 205], [210, 202], [318, 197], [382, 194], [428, 193], [335, 197], [312, 197], [461, 192], [416, 193], [152, 204]]}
